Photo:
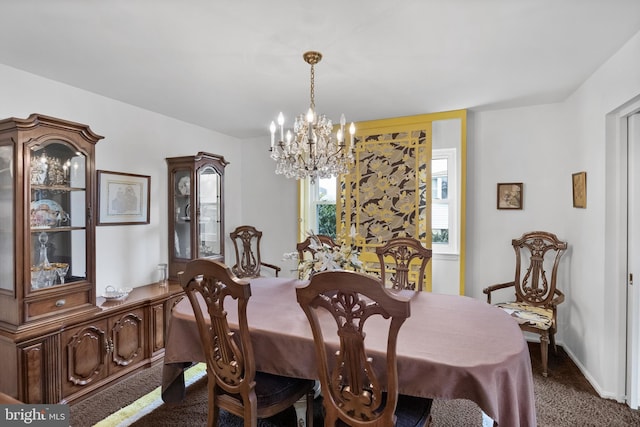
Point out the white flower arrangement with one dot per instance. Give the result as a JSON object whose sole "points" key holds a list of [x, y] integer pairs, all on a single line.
{"points": [[343, 257]]}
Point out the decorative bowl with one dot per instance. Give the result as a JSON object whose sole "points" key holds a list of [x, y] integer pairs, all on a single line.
{"points": [[111, 293]]}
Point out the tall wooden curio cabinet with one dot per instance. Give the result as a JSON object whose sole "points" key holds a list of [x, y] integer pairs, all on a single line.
{"points": [[196, 209], [47, 194]]}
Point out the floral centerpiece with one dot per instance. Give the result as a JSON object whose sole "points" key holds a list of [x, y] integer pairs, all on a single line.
{"points": [[343, 257]]}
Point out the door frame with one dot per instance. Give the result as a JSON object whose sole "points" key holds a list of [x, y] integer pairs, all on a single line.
{"points": [[633, 293], [627, 309]]}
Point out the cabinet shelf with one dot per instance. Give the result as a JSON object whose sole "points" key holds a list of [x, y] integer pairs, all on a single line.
{"points": [[38, 230], [59, 188]]}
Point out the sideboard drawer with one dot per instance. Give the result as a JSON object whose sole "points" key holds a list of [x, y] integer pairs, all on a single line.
{"points": [[55, 305]]}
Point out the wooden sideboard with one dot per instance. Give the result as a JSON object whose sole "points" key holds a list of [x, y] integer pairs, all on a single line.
{"points": [[66, 359]]}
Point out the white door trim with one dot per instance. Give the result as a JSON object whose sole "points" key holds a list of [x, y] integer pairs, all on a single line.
{"points": [[616, 251], [633, 262]]}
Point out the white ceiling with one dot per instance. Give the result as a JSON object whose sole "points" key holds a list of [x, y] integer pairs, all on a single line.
{"points": [[232, 65]]}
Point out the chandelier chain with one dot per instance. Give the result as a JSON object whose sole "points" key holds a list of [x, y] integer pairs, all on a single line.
{"points": [[313, 86]]}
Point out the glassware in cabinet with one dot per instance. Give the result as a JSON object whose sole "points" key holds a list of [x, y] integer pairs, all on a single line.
{"points": [[57, 216]]}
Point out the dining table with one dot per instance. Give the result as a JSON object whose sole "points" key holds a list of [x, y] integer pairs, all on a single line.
{"points": [[451, 347]]}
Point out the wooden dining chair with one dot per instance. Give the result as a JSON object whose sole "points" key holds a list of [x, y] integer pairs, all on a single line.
{"points": [[307, 246], [396, 257], [233, 383], [359, 390], [246, 242], [536, 294]]}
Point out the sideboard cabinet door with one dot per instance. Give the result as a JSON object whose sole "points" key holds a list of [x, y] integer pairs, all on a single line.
{"points": [[84, 361]]}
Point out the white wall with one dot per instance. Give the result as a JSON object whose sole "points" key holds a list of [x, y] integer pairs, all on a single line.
{"points": [[525, 145], [269, 204], [136, 141], [596, 332]]}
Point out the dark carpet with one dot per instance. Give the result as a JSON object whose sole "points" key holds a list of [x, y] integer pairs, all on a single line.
{"points": [[565, 398]]}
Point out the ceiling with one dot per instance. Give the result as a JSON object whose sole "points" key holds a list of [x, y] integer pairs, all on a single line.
{"points": [[232, 65]]}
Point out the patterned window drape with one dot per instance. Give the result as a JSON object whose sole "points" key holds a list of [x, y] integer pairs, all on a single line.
{"points": [[389, 193]]}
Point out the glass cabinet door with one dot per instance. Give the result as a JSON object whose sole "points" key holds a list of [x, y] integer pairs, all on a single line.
{"points": [[182, 214], [7, 220], [57, 216], [208, 212]]}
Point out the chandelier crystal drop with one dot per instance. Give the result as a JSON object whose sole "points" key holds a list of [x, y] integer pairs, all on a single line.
{"points": [[311, 150]]}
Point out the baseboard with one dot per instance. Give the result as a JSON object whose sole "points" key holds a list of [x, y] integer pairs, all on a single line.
{"points": [[587, 375]]}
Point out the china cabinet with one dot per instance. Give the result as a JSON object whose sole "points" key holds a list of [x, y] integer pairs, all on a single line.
{"points": [[196, 209], [47, 194], [59, 341]]}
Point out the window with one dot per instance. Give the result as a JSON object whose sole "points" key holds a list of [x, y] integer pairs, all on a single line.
{"points": [[443, 200], [321, 215]]}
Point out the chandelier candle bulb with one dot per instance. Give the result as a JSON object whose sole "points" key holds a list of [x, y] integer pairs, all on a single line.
{"points": [[273, 134], [281, 123], [352, 132]]}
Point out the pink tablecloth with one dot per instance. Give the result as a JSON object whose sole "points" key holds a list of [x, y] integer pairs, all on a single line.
{"points": [[452, 347]]}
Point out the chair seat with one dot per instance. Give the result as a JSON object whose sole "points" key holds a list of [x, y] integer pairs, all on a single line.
{"points": [[539, 317], [412, 411], [272, 389]]}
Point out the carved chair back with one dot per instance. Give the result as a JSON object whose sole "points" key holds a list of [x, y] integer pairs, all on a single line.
{"points": [[354, 391], [246, 243], [537, 258], [398, 255], [210, 286], [233, 383]]}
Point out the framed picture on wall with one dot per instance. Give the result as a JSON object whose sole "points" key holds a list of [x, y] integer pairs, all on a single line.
{"points": [[123, 198], [579, 181], [510, 195]]}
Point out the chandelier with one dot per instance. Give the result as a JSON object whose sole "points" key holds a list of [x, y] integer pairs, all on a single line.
{"points": [[311, 151]]}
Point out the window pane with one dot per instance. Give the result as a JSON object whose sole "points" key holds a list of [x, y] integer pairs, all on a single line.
{"points": [[440, 223], [439, 179], [326, 219], [440, 194], [439, 236], [327, 189]]}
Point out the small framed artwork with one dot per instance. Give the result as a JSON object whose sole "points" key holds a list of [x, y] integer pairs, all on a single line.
{"points": [[510, 195], [579, 181], [123, 198]]}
